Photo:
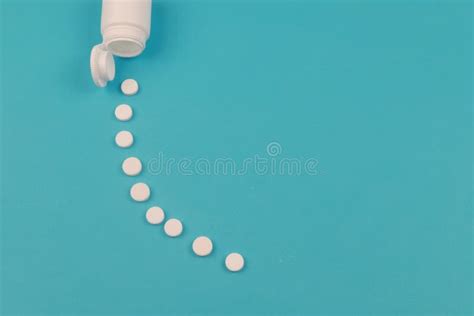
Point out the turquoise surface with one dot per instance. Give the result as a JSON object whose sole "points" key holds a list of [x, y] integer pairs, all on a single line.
{"points": [[380, 94]]}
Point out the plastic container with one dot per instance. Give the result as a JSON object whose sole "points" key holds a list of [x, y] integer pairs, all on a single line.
{"points": [[125, 28]]}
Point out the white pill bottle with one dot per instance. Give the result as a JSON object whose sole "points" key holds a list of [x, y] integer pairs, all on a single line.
{"points": [[125, 28]]}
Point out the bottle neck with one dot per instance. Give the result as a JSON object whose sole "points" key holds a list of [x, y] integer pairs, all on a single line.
{"points": [[124, 40]]}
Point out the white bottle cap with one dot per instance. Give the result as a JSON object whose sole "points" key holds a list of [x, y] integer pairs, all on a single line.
{"points": [[102, 65]]}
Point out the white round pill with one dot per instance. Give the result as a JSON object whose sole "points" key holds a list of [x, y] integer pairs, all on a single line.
{"points": [[234, 262], [132, 166], [140, 192], [202, 246], [124, 139], [123, 112], [129, 87], [173, 227], [155, 215]]}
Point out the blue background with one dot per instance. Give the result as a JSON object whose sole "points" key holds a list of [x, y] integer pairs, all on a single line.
{"points": [[379, 93]]}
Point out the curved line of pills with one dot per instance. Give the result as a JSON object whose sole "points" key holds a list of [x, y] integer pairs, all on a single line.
{"points": [[140, 192]]}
